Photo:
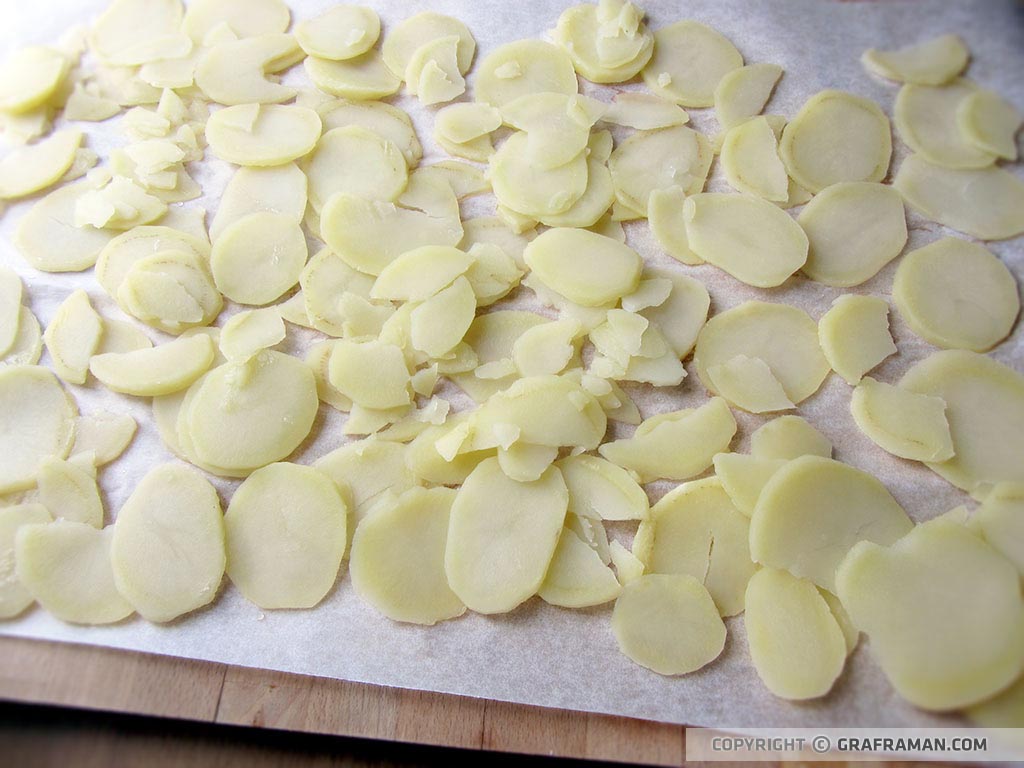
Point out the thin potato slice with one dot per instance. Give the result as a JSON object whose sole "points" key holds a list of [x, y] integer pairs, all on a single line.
{"points": [[492, 337], [999, 519], [668, 623], [605, 50], [432, 74], [398, 558], [235, 71], [814, 510], [613, 270], [366, 469], [372, 373], [922, 615], [385, 120], [651, 160], [259, 258], [72, 337], [689, 62], [464, 122], [930, 62], [14, 598], [665, 216], [502, 536], [682, 315], [341, 32], [440, 323], [357, 162], [926, 118], [644, 112], [904, 423], [789, 437], [105, 435], [279, 189], [989, 123], [750, 158], [742, 93], [285, 535], [121, 336], [362, 77], [69, 492], [262, 135], [248, 333], [121, 254], [748, 383], [66, 566], [420, 273], [743, 477], [11, 309], [36, 167], [245, 18], [601, 490], [795, 642], [30, 77], [171, 290], [854, 335], [161, 370], [577, 578], [48, 238], [27, 347], [547, 348], [132, 32], [168, 544], [522, 186], [525, 66], [325, 278], [402, 42]]}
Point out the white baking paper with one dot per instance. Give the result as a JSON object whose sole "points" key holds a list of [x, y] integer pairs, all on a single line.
{"points": [[540, 654]]}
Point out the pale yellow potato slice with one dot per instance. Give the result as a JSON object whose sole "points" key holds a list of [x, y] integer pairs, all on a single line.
{"points": [[27, 346], [14, 598], [682, 315], [601, 490], [168, 544], [628, 567], [279, 189], [105, 435], [795, 642], [494, 231], [651, 160], [502, 536], [557, 126], [835, 137], [324, 280], [695, 529], [547, 348], [751, 239], [66, 567], [170, 290], [367, 468], [814, 510], [748, 383], [926, 118], [987, 203], [120, 255], [957, 295], [904, 423], [577, 578], [318, 359], [742, 93], [262, 134], [985, 408], [259, 258], [72, 337], [11, 310], [30, 169], [397, 563], [854, 229], [357, 162], [420, 273], [644, 112], [608, 43], [854, 335], [48, 238], [689, 61], [372, 373], [668, 623], [615, 268], [427, 464], [161, 370], [850, 633], [363, 77], [245, 18], [675, 445], [743, 477], [464, 122], [524, 66], [440, 323], [750, 159], [402, 42], [69, 492], [432, 74], [525, 462], [789, 437], [248, 333], [285, 535], [39, 421], [921, 602], [30, 77], [989, 123], [1000, 518], [133, 32], [493, 273], [492, 337], [1004, 710], [385, 120], [665, 216], [930, 62], [235, 71], [341, 32], [532, 191], [119, 204]]}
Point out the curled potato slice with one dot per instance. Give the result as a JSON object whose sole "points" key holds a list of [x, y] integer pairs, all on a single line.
{"points": [[720, 229], [795, 642], [259, 258], [607, 45], [14, 598], [245, 18], [159, 370], [956, 294], [432, 74], [398, 558], [70, 492], [533, 191], [30, 77], [357, 162], [341, 32], [922, 616], [402, 42], [789, 437], [854, 229], [675, 445], [651, 160], [601, 490], [524, 66], [359, 78], [613, 272], [36, 167], [72, 337], [104, 434], [930, 62], [262, 135], [279, 189], [854, 335], [695, 529], [235, 71], [502, 536], [906, 424], [66, 566], [999, 519], [989, 123], [48, 238], [926, 118], [985, 408], [835, 137], [750, 158], [689, 61], [668, 623], [168, 544], [814, 510], [742, 93], [577, 577], [743, 477], [285, 534]]}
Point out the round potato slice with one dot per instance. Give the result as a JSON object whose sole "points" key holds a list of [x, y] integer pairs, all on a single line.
{"points": [[836, 137], [285, 533], [341, 32], [784, 337], [532, 191], [614, 269], [262, 135], [30, 77], [48, 238], [159, 370], [121, 253], [577, 576], [363, 77], [742, 93], [11, 309], [854, 335], [420, 273], [398, 558], [650, 160], [525, 66], [668, 623], [906, 424], [502, 535], [926, 118], [246, 18], [604, 50], [14, 598], [985, 408], [814, 510], [689, 61], [789, 437], [922, 615], [259, 258], [930, 62], [168, 544], [957, 295], [795, 642], [750, 158], [854, 229], [989, 123], [357, 162], [402, 42], [278, 189], [36, 167], [235, 71], [601, 490], [171, 290], [385, 120], [133, 32]]}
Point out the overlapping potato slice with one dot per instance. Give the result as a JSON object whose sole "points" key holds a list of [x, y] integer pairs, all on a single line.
{"points": [[249, 332], [171, 290], [608, 42], [30, 169], [245, 18], [72, 337], [279, 189], [742, 93], [492, 337], [644, 112], [116, 260], [650, 160], [744, 476], [235, 71], [956, 294], [357, 162], [133, 32], [524, 66], [930, 62], [999, 519], [547, 348], [384, 119], [258, 258], [682, 315], [613, 269], [324, 280], [120, 203], [14, 598], [30, 77], [50, 241], [789, 437], [577, 576], [522, 186], [748, 383], [262, 134], [372, 373], [989, 123], [11, 309], [70, 492], [159, 370], [363, 77], [27, 346], [433, 74], [921, 601], [904, 423], [366, 469], [854, 335], [926, 118], [438, 324], [341, 32], [750, 158], [402, 42], [105, 435], [689, 61], [601, 490]]}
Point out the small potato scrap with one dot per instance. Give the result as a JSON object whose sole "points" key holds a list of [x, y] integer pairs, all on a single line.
{"points": [[285, 535], [989, 123], [398, 558], [676, 445], [748, 383], [432, 74], [720, 229], [360, 78], [743, 477], [235, 71], [600, 490], [926, 118], [854, 229], [742, 93], [341, 32], [168, 544], [66, 566], [836, 137], [750, 158], [577, 577], [795, 642], [904, 423], [524, 66], [30, 77], [262, 134], [69, 492], [956, 295], [854, 335], [668, 623], [159, 370], [650, 160], [502, 536], [999, 519], [73, 336], [50, 241], [689, 62], [644, 112], [30, 169], [608, 42], [814, 510], [789, 437], [930, 62], [402, 42], [14, 598], [105, 435], [613, 269], [371, 373], [259, 258], [922, 616]]}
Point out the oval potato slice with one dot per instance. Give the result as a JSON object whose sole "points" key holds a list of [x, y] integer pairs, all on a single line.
{"points": [[159, 370], [577, 577], [906, 424], [689, 61], [36, 167], [930, 62], [789, 437], [262, 135], [613, 270]]}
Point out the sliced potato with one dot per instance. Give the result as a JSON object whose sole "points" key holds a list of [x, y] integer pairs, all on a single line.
{"points": [[743, 477], [262, 135], [235, 72], [166, 368], [999, 519], [259, 258], [742, 93], [615, 268], [72, 337], [748, 383], [854, 335], [525, 66], [608, 43], [104, 434], [48, 238], [577, 578], [989, 123], [14, 598], [366, 469], [789, 437], [245, 18], [930, 62], [27, 346], [248, 333], [650, 160], [30, 77], [341, 32], [70, 492], [371, 373], [440, 323], [601, 490], [904, 423], [926, 118], [402, 42], [750, 158], [689, 62], [362, 77], [36, 167]]}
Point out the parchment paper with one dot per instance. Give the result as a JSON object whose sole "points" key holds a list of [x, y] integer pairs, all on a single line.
{"points": [[540, 654]]}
